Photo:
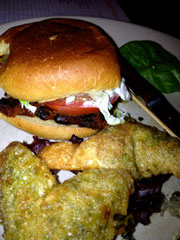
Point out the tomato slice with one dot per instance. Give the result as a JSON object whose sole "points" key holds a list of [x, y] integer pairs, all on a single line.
{"points": [[83, 104]]}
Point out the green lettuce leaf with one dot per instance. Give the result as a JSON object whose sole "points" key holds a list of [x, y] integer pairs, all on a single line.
{"points": [[154, 63]]}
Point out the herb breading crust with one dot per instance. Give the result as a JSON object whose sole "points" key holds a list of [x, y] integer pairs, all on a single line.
{"points": [[35, 206], [141, 150]]}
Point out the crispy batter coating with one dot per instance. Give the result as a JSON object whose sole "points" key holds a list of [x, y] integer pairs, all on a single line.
{"points": [[141, 150], [61, 152], [155, 152], [24, 180], [35, 206]]}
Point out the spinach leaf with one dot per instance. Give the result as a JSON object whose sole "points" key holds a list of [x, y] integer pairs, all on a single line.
{"points": [[154, 63]]}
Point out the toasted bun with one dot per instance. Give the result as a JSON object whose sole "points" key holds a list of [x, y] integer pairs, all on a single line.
{"points": [[55, 58], [47, 129]]}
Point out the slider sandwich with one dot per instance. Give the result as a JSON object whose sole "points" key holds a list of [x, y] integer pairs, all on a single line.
{"points": [[60, 77]]}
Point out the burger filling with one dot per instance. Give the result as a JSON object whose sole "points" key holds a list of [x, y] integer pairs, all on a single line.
{"points": [[93, 110]]}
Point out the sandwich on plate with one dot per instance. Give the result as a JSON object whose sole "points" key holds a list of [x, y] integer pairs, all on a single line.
{"points": [[60, 77]]}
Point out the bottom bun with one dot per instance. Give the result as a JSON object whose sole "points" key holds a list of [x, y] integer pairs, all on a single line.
{"points": [[47, 129]]}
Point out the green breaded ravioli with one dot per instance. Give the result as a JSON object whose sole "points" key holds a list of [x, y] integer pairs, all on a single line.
{"points": [[35, 206]]}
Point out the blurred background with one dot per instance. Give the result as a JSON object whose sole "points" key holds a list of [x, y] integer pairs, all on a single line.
{"points": [[159, 15]]}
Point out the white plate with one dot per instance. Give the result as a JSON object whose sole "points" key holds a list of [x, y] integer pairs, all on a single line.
{"points": [[121, 32]]}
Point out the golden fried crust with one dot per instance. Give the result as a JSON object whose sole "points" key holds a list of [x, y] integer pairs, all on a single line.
{"points": [[110, 148], [35, 206], [141, 150], [59, 155], [56, 58], [1, 159], [155, 152]]}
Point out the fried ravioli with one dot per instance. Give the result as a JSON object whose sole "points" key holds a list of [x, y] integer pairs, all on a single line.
{"points": [[59, 153], [141, 150], [35, 206]]}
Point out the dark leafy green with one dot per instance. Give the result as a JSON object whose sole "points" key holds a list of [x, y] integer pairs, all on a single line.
{"points": [[154, 63]]}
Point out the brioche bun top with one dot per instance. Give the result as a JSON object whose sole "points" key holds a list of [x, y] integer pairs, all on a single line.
{"points": [[56, 58]]}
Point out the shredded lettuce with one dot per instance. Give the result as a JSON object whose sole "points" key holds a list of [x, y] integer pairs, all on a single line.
{"points": [[28, 106], [101, 100], [70, 99], [122, 91], [4, 48]]}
